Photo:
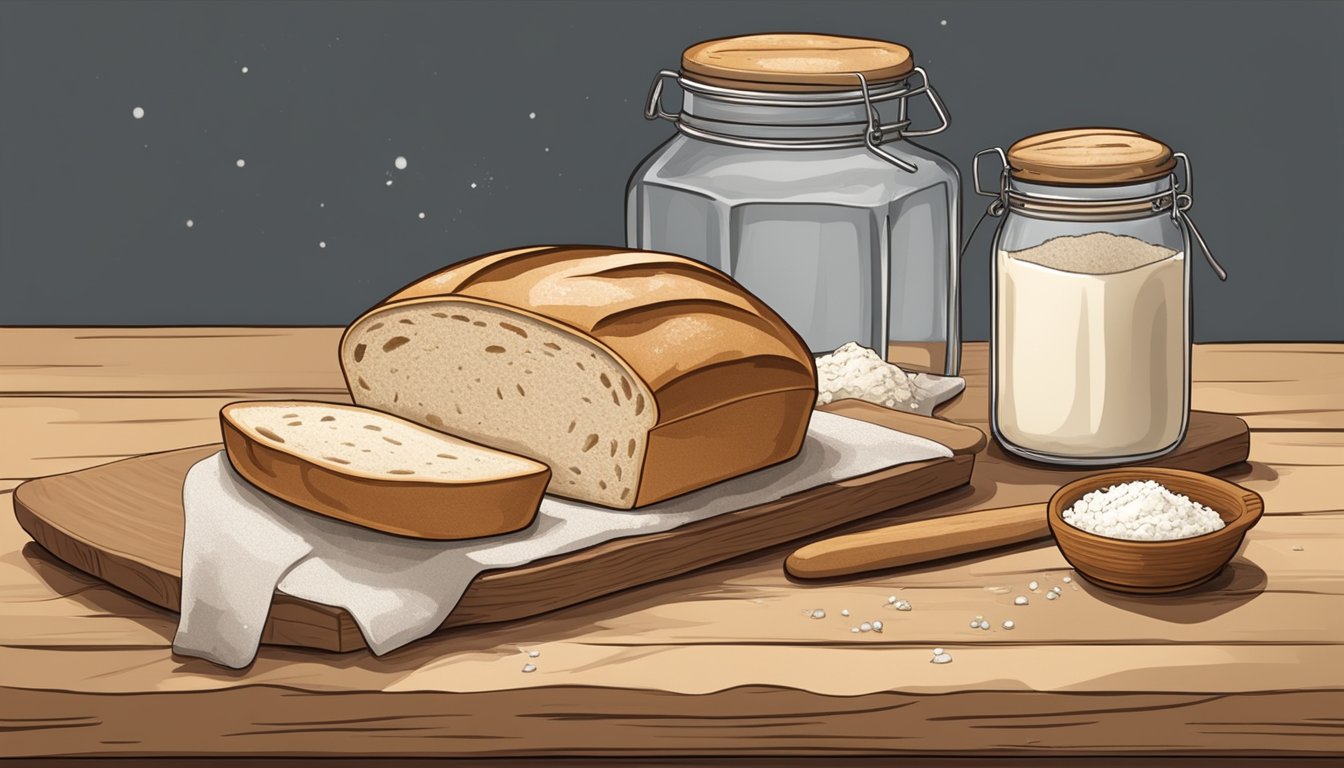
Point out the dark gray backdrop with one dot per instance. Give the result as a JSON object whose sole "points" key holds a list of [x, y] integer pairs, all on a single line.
{"points": [[93, 202]]}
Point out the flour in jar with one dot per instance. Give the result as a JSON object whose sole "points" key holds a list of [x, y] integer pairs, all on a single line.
{"points": [[1090, 346]]}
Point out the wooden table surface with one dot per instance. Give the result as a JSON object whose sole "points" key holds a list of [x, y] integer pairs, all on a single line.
{"points": [[723, 661]]}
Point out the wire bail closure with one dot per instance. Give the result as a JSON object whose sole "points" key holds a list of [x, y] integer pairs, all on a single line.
{"points": [[874, 135], [1179, 198]]}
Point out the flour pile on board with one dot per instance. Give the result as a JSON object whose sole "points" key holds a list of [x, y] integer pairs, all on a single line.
{"points": [[858, 372]]}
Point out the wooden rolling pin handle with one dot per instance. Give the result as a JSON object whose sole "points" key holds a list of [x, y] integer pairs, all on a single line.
{"points": [[918, 542]]}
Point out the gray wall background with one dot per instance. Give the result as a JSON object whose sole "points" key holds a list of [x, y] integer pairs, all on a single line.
{"points": [[93, 202]]}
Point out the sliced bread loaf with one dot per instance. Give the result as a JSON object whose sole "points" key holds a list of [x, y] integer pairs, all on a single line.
{"points": [[379, 471], [635, 376]]}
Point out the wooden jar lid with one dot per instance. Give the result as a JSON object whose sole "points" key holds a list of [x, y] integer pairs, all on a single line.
{"points": [[1089, 156], [795, 62]]}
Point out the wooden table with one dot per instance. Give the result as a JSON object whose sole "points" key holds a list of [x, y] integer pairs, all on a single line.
{"points": [[721, 662]]}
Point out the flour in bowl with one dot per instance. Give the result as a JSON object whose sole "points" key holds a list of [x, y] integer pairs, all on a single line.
{"points": [[1141, 510]]}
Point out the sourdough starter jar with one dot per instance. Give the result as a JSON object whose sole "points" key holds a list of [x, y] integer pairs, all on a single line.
{"points": [[1091, 283], [792, 171]]}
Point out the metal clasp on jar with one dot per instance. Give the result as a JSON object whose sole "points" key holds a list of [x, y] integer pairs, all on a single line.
{"points": [[1178, 198], [874, 135]]}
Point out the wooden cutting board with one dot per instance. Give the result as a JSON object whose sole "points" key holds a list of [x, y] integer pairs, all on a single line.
{"points": [[122, 522]]}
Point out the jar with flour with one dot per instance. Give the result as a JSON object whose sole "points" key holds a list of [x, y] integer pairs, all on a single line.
{"points": [[1090, 352]]}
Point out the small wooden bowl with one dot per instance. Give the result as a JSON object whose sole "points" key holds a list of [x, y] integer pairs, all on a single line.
{"points": [[1154, 567]]}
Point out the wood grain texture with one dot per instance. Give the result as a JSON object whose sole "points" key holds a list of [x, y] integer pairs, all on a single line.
{"points": [[722, 661], [1089, 156], [795, 62], [239, 363], [122, 522], [753, 720]]}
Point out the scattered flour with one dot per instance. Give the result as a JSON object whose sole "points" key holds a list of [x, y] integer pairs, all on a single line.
{"points": [[1141, 510], [859, 372]]}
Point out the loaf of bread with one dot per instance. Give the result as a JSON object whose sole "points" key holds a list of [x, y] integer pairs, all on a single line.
{"points": [[379, 471], [635, 376]]}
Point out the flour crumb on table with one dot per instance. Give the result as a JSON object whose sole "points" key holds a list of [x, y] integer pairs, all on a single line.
{"points": [[940, 657], [1020, 600], [529, 668]]}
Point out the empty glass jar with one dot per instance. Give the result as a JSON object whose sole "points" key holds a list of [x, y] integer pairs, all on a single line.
{"points": [[1090, 352], [792, 171]]}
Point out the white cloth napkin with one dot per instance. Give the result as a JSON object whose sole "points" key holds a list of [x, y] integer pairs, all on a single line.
{"points": [[241, 544]]}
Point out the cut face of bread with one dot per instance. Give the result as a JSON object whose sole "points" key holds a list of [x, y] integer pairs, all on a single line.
{"points": [[635, 376], [512, 381], [380, 471]]}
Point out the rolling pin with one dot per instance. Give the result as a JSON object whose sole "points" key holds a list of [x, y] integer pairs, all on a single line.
{"points": [[918, 542]]}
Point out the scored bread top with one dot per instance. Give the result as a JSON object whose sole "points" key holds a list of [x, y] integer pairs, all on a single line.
{"points": [[368, 443], [692, 334]]}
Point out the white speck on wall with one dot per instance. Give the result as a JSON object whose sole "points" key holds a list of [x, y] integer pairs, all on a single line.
{"points": [[400, 162], [531, 115], [138, 112], [422, 214], [943, 22], [321, 205], [322, 244], [190, 223], [546, 149], [241, 162], [244, 70], [473, 185], [389, 182]]}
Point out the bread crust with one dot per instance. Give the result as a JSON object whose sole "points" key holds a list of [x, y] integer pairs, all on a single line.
{"points": [[418, 508], [695, 337], [698, 341]]}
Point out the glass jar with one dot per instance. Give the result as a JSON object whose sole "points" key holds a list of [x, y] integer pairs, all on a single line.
{"points": [[1090, 351], [783, 174]]}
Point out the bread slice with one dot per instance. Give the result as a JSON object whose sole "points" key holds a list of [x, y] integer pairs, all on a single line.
{"points": [[379, 471], [635, 376]]}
